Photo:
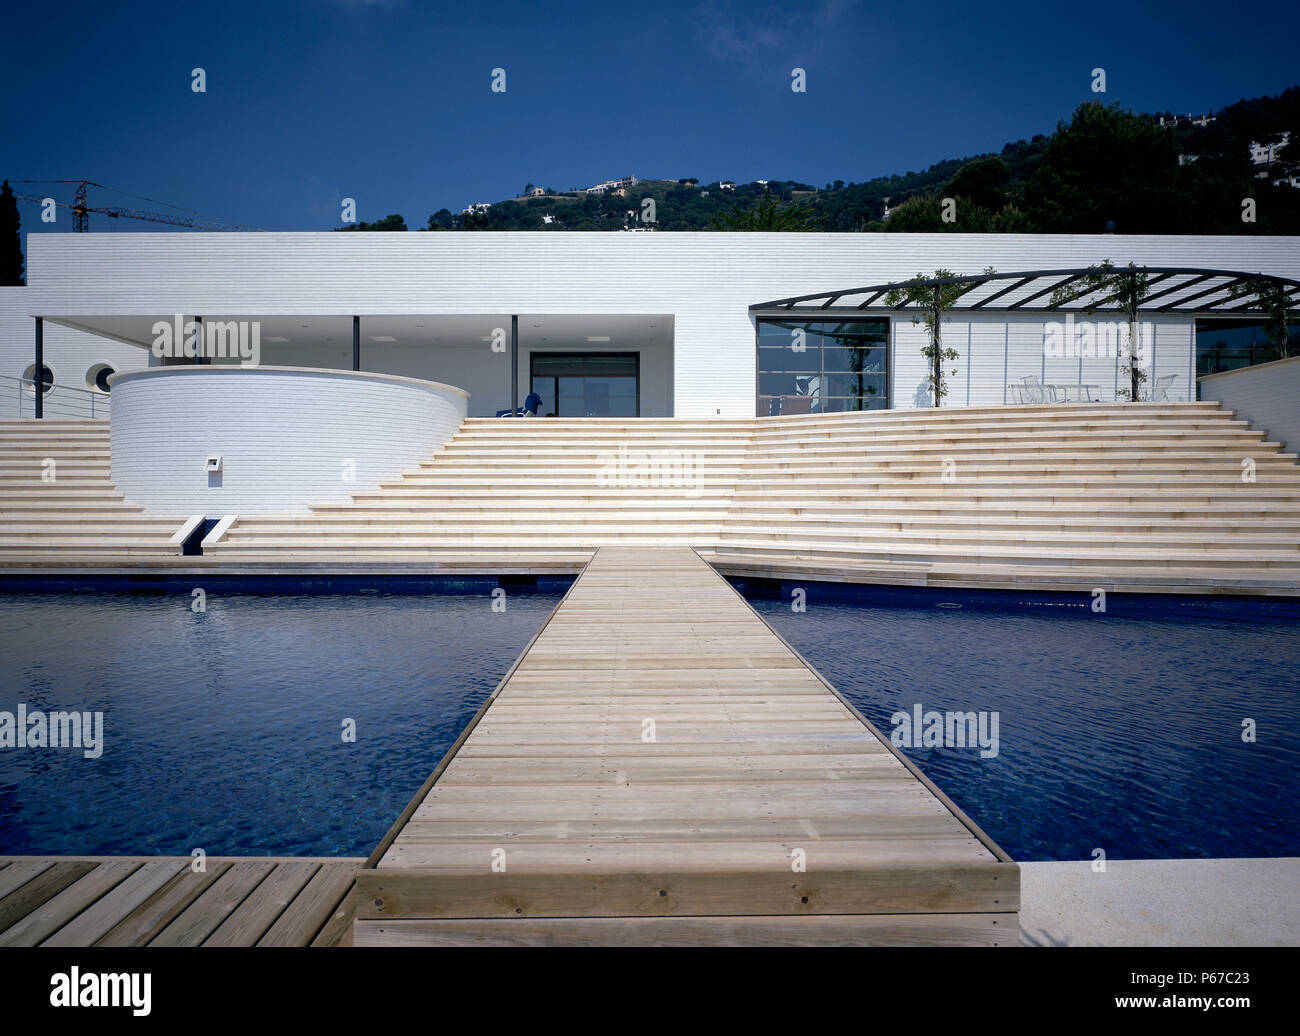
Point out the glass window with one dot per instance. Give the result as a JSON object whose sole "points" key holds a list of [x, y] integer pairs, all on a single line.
{"points": [[1224, 345], [822, 366], [587, 384], [786, 359]]}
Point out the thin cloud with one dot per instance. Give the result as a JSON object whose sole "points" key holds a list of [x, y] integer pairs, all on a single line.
{"points": [[755, 42]]}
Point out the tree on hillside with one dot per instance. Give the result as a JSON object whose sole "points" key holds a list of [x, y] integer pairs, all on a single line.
{"points": [[390, 222], [918, 215], [982, 181], [1127, 288], [932, 302], [1106, 170], [11, 245], [767, 214], [1279, 317], [441, 220]]}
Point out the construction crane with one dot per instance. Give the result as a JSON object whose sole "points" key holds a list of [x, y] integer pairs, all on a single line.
{"points": [[81, 210]]}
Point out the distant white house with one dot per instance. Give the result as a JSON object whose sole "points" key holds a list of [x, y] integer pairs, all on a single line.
{"points": [[1267, 154], [537, 192], [617, 186], [726, 185], [478, 206], [1174, 120]]}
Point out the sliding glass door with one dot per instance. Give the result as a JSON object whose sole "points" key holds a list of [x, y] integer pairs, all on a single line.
{"points": [[587, 384]]}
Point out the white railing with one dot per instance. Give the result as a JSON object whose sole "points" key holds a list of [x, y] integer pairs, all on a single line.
{"points": [[59, 400]]}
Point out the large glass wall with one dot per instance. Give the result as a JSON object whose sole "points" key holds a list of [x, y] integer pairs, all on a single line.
{"points": [[822, 366], [1225, 345]]}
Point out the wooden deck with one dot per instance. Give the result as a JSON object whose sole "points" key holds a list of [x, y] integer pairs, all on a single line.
{"points": [[558, 817], [160, 901]]}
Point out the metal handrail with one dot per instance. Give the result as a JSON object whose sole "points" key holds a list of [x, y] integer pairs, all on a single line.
{"points": [[63, 400]]}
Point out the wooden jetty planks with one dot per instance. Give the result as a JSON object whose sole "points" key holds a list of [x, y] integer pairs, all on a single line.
{"points": [[659, 751]]}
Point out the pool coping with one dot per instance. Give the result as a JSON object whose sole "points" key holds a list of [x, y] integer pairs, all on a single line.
{"points": [[556, 575]]}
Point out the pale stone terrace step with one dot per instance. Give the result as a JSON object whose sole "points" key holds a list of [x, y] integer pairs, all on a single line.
{"points": [[1163, 557], [1166, 558], [995, 430], [64, 489], [37, 444], [899, 540], [981, 520], [36, 465], [1044, 490], [1132, 577], [61, 506], [891, 510]]}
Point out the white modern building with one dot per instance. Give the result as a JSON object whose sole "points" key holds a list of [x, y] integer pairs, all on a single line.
{"points": [[650, 325]]}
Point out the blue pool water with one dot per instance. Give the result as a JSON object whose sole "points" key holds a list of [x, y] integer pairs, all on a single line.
{"points": [[1119, 733], [223, 730]]}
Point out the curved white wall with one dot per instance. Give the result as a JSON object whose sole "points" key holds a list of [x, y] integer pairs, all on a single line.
{"points": [[286, 435]]}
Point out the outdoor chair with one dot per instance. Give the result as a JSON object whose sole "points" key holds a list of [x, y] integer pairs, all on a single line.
{"points": [[1160, 390], [1034, 391]]}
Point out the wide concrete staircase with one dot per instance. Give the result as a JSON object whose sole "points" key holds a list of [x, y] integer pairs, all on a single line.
{"points": [[1150, 493], [57, 498]]}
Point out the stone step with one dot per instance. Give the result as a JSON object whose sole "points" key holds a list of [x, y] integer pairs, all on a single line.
{"points": [[974, 540], [542, 510], [1154, 555], [856, 519], [93, 506], [87, 548]]}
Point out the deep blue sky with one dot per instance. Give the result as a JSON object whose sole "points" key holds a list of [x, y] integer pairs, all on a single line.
{"points": [[309, 101]]}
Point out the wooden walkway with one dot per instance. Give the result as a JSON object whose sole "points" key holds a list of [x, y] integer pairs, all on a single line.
{"points": [[160, 901], [653, 770]]}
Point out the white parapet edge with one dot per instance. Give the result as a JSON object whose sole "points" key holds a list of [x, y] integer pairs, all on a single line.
{"points": [[185, 531], [219, 530]]}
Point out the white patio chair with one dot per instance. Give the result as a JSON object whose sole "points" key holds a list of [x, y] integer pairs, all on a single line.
{"points": [[1034, 391], [1160, 390]]}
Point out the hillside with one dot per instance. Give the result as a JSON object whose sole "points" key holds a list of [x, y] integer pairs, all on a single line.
{"points": [[1102, 170]]}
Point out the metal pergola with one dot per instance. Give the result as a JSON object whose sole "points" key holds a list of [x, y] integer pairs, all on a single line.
{"points": [[1171, 289]]}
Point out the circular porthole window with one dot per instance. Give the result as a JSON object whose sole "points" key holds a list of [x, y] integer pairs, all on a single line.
{"points": [[97, 377], [47, 379]]}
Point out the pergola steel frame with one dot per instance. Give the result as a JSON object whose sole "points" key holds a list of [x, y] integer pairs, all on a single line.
{"points": [[1072, 281]]}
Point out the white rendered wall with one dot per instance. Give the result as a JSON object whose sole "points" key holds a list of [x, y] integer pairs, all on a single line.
{"points": [[69, 354], [995, 352], [288, 437], [1266, 395], [706, 281]]}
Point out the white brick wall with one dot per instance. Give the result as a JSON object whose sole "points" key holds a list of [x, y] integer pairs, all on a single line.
{"points": [[284, 435], [1265, 395], [70, 355], [705, 280]]}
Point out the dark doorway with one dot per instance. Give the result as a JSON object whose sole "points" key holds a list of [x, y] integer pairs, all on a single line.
{"points": [[587, 384]]}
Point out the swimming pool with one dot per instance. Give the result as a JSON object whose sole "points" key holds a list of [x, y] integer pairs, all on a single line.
{"points": [[223, 729], [1115, 733]]}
